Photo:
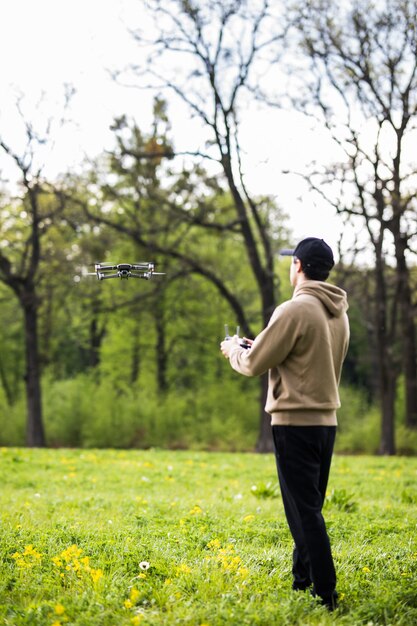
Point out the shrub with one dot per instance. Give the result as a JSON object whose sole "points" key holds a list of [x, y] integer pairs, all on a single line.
{"points": [[359, 424]]}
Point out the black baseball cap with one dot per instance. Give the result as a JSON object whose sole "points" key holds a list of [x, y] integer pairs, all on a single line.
{"points": [[315, 254]]}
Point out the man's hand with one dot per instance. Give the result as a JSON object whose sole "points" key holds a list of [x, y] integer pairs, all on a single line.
{"points": [[227, 344], [249, 342]]}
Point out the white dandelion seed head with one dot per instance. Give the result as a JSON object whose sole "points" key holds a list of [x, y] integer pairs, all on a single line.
{"points": [[144, 565]]}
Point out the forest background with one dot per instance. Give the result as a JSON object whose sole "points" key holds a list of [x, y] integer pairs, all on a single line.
{"points": [[137, 364]]}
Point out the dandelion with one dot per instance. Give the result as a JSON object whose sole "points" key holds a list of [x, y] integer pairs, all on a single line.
{"points": [[136, 620], [183, 569], [196, 510], [248, 518], [59, 609], [243, 572], [70, 561], [127, 604], [366, 570], [96, 574], [28, 558], [144, 565], [134, 595]]}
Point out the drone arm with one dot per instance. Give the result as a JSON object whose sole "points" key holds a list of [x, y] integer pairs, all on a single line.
{"points": [[102, 276], [145, 275]]}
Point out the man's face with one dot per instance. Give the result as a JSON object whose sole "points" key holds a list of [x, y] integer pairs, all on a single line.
{"points": [[294, 270]]}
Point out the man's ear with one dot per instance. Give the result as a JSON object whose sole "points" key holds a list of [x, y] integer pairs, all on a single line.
{"points": [[298, 268]]}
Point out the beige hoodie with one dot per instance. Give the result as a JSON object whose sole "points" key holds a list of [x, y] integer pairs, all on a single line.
{"points": [[303, 347]]}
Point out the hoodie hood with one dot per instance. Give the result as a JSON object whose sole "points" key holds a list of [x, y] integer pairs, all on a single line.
{"points": [[333, 298]]}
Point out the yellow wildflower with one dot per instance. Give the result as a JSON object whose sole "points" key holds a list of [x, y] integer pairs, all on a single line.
{"points": [[96, 574], [196, 510], [59, 609], [134, 595]]}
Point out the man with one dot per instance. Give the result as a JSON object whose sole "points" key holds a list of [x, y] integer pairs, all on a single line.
{"points": [[303, 348]]}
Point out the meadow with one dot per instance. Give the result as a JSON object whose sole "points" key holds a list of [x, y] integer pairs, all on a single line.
{"points": [[154, 537]]}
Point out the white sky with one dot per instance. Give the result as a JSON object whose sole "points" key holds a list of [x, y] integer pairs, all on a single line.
{"points": [[45, 44]]}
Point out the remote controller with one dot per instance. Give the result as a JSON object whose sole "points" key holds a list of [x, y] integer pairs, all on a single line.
{"points": [[242, 342]]}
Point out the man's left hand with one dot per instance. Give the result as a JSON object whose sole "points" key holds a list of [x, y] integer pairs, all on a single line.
{"points": [[227, 344]]}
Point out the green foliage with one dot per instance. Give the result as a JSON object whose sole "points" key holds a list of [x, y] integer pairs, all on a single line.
{"points": [[265, 490], [359, 423], [156, 538], [110, 411], [342, 500], [12, 421], [84, 412]]}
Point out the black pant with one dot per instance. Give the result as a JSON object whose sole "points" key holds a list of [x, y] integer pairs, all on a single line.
{"points": [[303, 455]]}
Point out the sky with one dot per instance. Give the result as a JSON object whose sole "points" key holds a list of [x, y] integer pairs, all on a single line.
{"points": [[48, 44]]}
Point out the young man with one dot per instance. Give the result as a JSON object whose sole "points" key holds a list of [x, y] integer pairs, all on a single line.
{"points": [[303, 348]]}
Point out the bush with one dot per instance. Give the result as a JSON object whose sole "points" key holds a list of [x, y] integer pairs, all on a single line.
{"points": [[12, 422], [359, 424], [223, 416], [82, 412]]}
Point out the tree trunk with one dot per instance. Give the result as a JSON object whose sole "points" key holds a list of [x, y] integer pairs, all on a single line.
{"points": [[386, 371], [408, 333], [161, 349], [5, 384], [387, 444], [96, 339], [35, 436], [135, 366]]}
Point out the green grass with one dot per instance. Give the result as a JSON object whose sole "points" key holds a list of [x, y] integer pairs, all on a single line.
{"points": [[78, 528]]}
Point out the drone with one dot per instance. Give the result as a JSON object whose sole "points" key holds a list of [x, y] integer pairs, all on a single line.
{"points": [[125, 270]]}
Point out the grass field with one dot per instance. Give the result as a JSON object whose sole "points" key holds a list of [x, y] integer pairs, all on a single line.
{"points": [[97, 538]]}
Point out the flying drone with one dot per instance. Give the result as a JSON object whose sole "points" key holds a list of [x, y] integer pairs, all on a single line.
{"points": [[125, 270]]}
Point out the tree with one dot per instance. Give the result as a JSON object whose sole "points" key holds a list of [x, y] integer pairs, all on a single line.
{"points": [[211, 55], [24, 221], [186, 216], [362, 84]]}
